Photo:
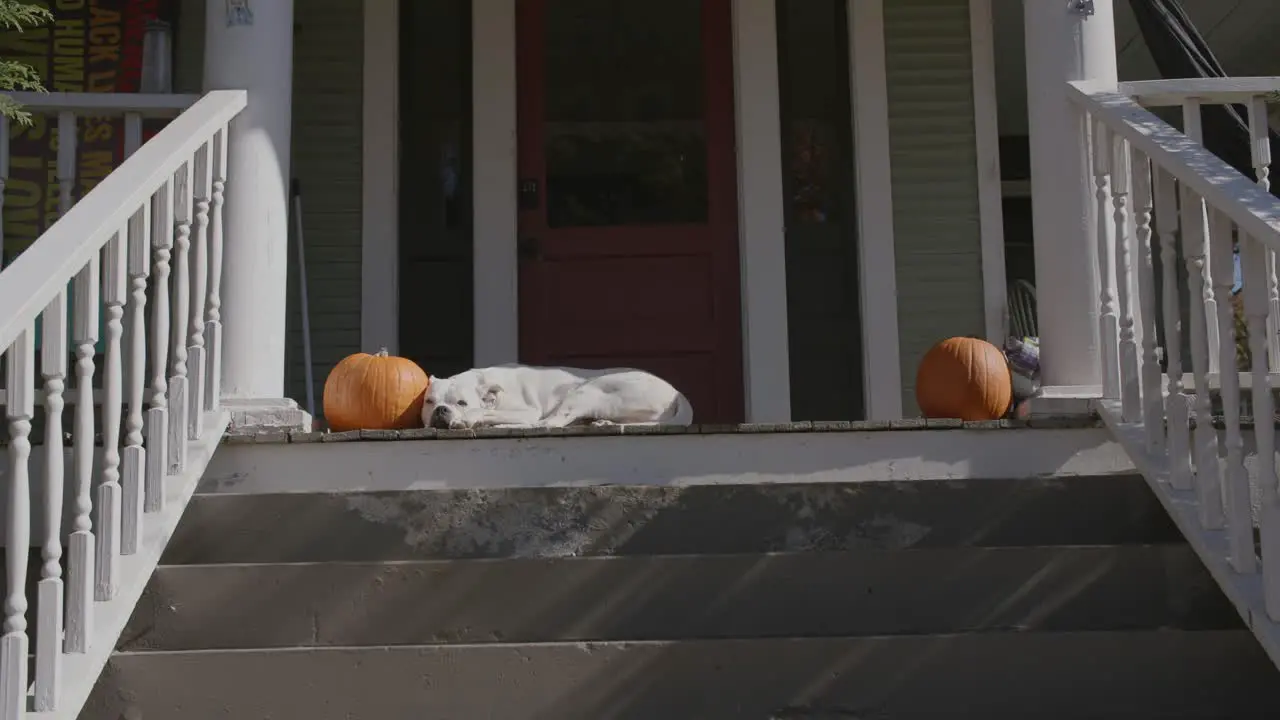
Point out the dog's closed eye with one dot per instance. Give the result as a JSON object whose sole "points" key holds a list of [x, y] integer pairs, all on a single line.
{"points": [[462, 403]]}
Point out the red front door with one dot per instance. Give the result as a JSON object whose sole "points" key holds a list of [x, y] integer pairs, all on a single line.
{"points": [[628, 239]]}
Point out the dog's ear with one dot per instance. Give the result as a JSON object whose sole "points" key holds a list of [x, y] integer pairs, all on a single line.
{"points": [[490, 395]]}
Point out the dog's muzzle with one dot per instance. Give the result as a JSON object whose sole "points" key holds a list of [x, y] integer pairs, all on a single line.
{"points": [[441, 417]]}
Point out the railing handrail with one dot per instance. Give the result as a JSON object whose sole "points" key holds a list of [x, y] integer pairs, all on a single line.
{"points": [[1208, 91], [32, 281], [1250, 207], [106, 104]]}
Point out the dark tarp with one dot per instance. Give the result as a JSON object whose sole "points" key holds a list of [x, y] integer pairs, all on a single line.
{"points": [[1180, 51]]}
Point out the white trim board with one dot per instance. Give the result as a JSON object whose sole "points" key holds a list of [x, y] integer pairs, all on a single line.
{"points": [[665, 460], [761, 223], [877, 264], [494, 173], [990, 190], [379, 217]]}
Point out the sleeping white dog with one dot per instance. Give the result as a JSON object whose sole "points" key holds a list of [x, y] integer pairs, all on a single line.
{"points": [[548, 397]]}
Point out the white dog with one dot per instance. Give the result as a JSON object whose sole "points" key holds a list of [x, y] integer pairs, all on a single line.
{"points": [[548, 397]]}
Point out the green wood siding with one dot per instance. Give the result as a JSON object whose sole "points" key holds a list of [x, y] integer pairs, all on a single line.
{"points": [[934, 161], [328, 65]]}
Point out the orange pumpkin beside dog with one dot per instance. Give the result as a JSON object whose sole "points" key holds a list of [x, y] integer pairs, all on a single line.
{"points": [[374, 392], [964, 378]]}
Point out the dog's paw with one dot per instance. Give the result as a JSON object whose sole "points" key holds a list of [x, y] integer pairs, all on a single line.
{"points": [[603, 423]]}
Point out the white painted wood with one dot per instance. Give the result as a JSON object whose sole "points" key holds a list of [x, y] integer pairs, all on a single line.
{"points": [[259, 59], [1130, 381], [66, 160], [1062, 45], [1193, 126], [380, 216], [1244, 590], [848, 459], [106, 104], [1205, 438], [134, 454], [990, 195], [1260, 151], [1108, 322], [81, 573], [20, 380], [132, 133], [53, 370], [1176, 402], [494, 171], [1143, 210], [81, 671], [1253, 267], [877, 263], [201, 182], [44, 269], [1235, 479], [157, 422], [179, 407], [1252, 209], [213, 305], [761, 222], [114, 280], [1210, 91]]}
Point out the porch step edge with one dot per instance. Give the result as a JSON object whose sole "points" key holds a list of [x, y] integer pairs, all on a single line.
{"points": [[1003, 675], [859, 593]]}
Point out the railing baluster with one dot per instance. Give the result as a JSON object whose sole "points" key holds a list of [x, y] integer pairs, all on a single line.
{"points": [[135, 454], [114, 277], [1176, 403], [66, 170], [20, 383], [1260, 146], [178, 401], [53, 362], [1207, 467], [1254, 267], [132, 133], [213, 316], [1108, 327], [157, 425], [1130, 387], [1194, 127], [1235, 477], [81, 575], [201, 182], [1143, 207]]}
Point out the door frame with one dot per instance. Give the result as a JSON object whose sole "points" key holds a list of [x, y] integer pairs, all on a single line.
{"points": [[760, 210], [717, 233]]}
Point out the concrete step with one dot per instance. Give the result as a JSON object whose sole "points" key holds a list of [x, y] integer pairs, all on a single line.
{"points": [[865, 592], [989, 675], [614, 520]]}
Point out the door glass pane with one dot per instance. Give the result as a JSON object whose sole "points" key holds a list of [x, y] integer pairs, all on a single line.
{"points": [[625, 133]]}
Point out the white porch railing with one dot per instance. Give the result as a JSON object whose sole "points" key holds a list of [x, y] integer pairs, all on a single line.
{"points": [[1157, 189], [152, 230]]}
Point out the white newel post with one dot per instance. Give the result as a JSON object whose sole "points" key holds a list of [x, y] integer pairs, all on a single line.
{"points": [[250, 47], [1066, 40]]}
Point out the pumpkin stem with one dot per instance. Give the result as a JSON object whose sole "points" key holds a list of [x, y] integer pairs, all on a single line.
{"points": [[382, 352]]}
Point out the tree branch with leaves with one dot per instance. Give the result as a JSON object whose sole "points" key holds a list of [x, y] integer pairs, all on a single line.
{"points": [[18, 16]]}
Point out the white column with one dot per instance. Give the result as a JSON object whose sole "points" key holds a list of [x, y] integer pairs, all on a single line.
{"points": [[1065, 44], [494, 172], [256, 56], [761, 228]]}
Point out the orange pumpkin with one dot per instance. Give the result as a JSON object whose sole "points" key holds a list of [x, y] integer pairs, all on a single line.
{"points": [[964, 378], [374, 392]]}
